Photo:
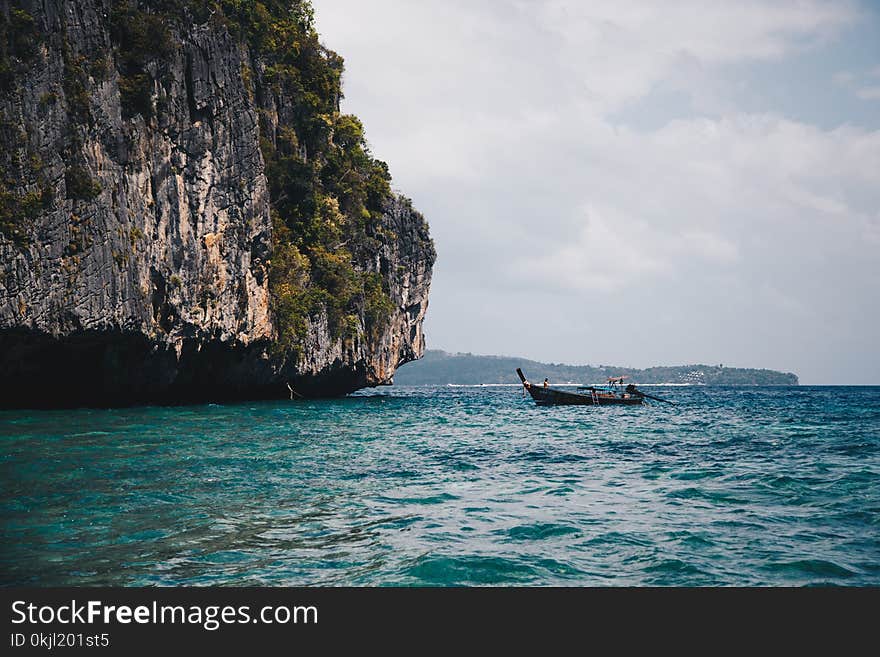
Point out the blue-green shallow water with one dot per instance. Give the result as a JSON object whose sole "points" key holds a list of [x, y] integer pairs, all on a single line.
{"points": [[441, 486]]}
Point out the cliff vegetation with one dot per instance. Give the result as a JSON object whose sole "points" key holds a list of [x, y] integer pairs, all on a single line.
{"points": [[181, 172]]}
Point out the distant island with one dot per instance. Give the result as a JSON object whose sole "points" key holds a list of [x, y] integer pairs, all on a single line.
{"points": [[439, 368]]}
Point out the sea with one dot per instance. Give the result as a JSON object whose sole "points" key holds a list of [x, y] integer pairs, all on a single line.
{"points": [[441, 486]]}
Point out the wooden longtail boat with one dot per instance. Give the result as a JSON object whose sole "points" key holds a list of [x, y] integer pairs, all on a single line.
{"points": [[613, 394]]}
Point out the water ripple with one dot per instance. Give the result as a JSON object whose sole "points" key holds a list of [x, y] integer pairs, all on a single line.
{"points": [[448, 486]]}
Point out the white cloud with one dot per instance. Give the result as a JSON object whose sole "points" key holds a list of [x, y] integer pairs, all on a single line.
{"points": [[603, 256], [844, 78], [695, 195], [863, 84], [620, 50], [498, 119], [869, 93]]}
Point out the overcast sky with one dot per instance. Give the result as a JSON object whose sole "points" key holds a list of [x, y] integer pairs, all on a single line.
{"points": [[634, 184]]}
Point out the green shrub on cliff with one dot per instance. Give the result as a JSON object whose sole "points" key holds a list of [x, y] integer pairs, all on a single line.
{"points": [[292, 302], [140, 37], [74, 86], [17, 210], [377, 306], [80, 185], [19, 42], [326, 188]]}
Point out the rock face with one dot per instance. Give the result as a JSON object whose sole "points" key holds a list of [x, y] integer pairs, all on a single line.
{"points": [[135, 247]]}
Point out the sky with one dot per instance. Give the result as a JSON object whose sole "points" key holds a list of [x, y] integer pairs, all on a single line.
{"points": [[634, 184]]}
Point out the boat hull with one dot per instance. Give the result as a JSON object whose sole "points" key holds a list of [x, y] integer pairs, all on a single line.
{"points": [[556, 397]]}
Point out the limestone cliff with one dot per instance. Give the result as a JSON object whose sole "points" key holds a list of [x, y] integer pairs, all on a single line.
{"points": [[185, 214]]}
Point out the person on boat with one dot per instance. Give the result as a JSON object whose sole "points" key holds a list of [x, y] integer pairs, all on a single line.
{"points": [[546, 383]]}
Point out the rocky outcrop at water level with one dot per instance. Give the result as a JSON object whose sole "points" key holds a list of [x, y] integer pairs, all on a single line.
{"points": [[186, 215]]}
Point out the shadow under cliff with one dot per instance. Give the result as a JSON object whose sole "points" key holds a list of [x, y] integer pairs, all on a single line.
{"points": [[112, 368]]}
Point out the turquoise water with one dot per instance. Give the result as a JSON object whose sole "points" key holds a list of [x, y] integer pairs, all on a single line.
{"points": [[441, 486]]}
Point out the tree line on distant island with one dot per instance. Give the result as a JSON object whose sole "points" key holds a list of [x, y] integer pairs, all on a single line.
{"points": [[439, 368]]}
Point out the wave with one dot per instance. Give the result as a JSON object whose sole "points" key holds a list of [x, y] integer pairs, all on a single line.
{"points": [[567, 384]]}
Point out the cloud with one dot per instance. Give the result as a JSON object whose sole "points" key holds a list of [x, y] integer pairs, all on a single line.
{"points": [[702, 196], [869, 93], [503, 121], [862, 84], [602, 256], [620, 50], [844, 78]]}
